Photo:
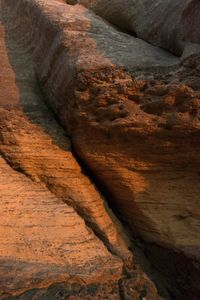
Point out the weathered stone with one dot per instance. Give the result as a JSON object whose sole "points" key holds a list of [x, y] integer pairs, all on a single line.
{"points": [[133, 115], [33, 142], [42, 188], [43, 241], [171, 24]]}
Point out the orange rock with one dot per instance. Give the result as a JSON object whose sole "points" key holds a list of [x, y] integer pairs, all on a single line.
{"points": [[55, 225], [143, 151]]}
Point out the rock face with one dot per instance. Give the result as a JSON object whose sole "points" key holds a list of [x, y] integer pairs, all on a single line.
{"points": [[170, 24], [132, 112], [33, 142], [43, 240], [41, 235], [58, 236]]}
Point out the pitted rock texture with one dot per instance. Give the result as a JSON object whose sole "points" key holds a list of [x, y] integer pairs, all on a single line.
{"points": [[33, 142], [132, 112], [55, 225], [171, 24], [43, 240]]}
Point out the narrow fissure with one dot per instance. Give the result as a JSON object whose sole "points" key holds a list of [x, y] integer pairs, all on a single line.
{"points": [[90, 225], [15, 166], [137, 246], [100, 187]]}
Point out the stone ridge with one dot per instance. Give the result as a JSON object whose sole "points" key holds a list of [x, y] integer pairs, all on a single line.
{"points": [[173, 25], [43, 239], [33, 132], [133, 117], [41, 235], [55, 225]]}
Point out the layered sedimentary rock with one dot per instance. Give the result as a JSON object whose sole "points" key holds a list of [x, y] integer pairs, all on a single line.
{"points": [[58, 236], [32, 141], [173, 25], [43, 240], [132, 112]]}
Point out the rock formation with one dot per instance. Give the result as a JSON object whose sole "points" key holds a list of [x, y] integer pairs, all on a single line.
{"points": [[170, 24], [131, 111], [55, 225]]}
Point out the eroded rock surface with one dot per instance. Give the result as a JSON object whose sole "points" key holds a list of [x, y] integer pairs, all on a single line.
{"points": [[170, 24], [132, 112], [55, 225], [32, 141], [43, 240]]}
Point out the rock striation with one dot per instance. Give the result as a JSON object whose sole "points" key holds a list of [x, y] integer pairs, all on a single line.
{"points": [[170, 24], [58, 236], [32, 141], [43, 240], [132, 111]]}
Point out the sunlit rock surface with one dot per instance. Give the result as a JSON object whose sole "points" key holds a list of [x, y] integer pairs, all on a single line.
{"points": [[58, 236], [43, 240], [132, 112]]}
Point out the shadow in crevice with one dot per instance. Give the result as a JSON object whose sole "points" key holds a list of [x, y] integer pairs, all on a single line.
{"points": [[33, 111], [50, 159], [98, 41]]}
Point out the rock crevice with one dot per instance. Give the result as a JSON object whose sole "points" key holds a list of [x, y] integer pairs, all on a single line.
{"points": [[48, 204], [132, 113]]}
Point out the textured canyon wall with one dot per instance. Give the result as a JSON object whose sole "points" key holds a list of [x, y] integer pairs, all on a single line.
{"points": [[132, 112], [55, 225], [170, 24], [43, 239]]}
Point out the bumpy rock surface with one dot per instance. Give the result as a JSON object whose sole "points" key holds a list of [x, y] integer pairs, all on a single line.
{"points": [[55, 225], [43, 240], [171, 24], [132, 112], [32, 141]]}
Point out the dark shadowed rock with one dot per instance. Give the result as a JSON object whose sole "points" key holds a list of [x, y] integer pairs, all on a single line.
{"points": [[170, 24]]}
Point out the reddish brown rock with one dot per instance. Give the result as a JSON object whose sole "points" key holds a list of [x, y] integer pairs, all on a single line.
{"points": [[33, 142], [44, 242], [133, 116]]}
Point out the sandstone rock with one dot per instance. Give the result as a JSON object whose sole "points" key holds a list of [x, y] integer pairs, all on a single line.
{"points": [[132, 114], [173, 25], [43, 241], [42, 188], [34, 143]]}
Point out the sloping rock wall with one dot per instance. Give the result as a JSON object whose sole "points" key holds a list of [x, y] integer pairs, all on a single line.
{"points": [[170, 24], [132, 112], [58, 236], [43, 240]]}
